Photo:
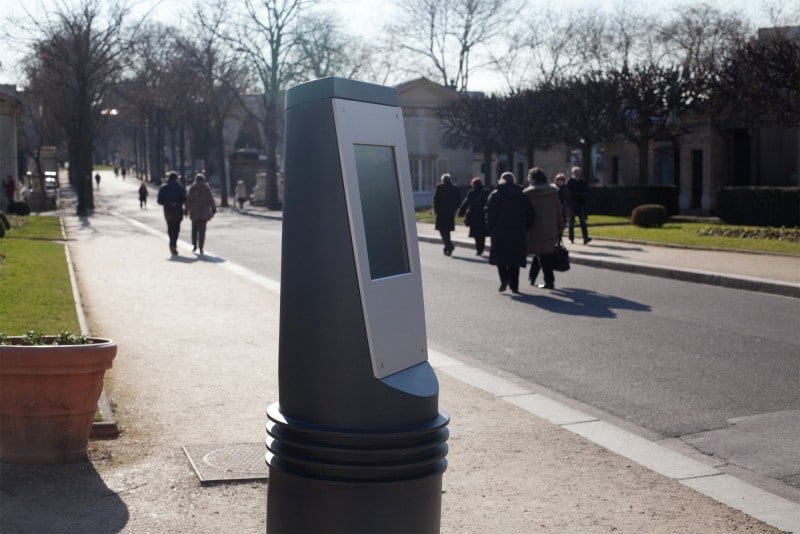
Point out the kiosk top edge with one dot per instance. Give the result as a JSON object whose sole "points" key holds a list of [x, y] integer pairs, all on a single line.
{"points": [[333, 87]]}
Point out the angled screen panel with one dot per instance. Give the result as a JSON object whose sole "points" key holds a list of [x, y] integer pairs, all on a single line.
{"points": [[375, 170]]}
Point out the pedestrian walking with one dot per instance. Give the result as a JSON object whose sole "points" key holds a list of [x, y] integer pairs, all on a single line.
{"points": [[548, 224], [578, 192], [241, 193], [201, 207], [172, 196], [9, 187], [509, 215], [473, 210], [97, 180], [563, 195], [143, 192], [446, 200]]}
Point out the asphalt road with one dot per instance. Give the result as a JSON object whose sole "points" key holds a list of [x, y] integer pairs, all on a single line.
{"points": [[717, 369]]}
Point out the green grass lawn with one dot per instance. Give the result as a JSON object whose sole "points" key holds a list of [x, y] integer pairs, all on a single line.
{"points": [[684, 234], [35, 289]]}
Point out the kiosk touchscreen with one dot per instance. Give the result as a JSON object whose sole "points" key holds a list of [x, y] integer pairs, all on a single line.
{"points": [[380, 206]]}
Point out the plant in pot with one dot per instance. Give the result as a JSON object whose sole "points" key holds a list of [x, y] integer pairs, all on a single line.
{"points": [[49, 388]]}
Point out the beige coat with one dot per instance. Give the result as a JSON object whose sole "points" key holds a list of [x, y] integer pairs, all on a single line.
{"points": [[548, 220]]}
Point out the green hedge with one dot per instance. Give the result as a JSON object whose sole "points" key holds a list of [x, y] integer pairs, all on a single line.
{"points": [[759, 206], [623, 199]]}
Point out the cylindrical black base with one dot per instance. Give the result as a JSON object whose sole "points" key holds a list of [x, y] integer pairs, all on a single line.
{"points": [[298, 504], [334, 481]]}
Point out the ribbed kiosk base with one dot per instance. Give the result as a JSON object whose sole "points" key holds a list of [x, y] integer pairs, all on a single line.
{"points": [[342, 481]]}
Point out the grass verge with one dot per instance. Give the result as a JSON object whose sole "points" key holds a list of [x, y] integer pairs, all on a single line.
{"points": [[683, 234], [35, 289]]}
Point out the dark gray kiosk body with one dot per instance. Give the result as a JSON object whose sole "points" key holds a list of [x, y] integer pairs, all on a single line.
{"points": [[356, 442]]}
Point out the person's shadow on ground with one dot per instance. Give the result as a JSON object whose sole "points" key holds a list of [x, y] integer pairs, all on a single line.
{"points": [[569, 301], [194, 259]]}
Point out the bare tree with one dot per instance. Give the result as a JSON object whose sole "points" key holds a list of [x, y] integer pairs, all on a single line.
{"points": [[699, 35], [217, 76], [323, 49], [547, 46], [153, 92], [759, 84], [781, 12], [584, 114], [79, 57], [648, 94], [448, 35], [266, 34], [474, 122]]}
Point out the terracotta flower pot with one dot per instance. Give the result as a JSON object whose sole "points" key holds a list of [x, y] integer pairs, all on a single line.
{"points": [[48, 398]]}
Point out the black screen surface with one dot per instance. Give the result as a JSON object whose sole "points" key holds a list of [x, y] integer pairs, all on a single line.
{"points": [[382, 210]]}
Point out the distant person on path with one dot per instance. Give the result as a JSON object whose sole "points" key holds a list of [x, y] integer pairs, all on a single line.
{"points": [[172, 196], [578, 191], [200, 207], [143, 192], [97, 179], [241, 193], [548, 223], [473, 210], [9, 187], [509, 215], [124, 172], [563, 194], [445, 203]]}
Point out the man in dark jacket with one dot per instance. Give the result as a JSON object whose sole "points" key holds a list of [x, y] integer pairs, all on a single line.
{"points": [[172, 196], [509, 215], [578, 191], [446, 200]]}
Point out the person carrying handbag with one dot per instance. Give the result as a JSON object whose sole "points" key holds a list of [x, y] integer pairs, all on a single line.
{"points": [[547, 227]]}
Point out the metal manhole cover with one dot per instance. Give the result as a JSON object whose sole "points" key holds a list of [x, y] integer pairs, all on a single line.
{"points": [[214, 463]]}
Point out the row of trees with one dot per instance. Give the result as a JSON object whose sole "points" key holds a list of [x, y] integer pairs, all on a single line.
{"points": [[753, 84], [96, 62]]}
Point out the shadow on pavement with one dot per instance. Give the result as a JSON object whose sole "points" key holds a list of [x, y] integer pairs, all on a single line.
{"points": [[578, 302], [58, 498]]}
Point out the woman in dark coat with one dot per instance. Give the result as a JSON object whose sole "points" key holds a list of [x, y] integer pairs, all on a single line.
{"points": [[509, 215], [445, 203], [473, 209]]}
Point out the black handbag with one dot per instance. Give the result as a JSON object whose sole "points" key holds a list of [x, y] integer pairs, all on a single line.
{"points": [[560, 257]]}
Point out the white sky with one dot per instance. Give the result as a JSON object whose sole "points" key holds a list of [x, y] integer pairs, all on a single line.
{"points": [[362, 17]]}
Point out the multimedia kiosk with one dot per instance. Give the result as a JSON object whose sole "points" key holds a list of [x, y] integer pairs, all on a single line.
{"points": [[356, 442]]}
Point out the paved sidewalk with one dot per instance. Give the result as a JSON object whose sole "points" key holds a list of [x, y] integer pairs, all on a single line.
{"points": [[197, 366]]}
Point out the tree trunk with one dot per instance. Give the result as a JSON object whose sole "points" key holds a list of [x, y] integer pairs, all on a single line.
{"points": [[224, 183], [182, 149]]}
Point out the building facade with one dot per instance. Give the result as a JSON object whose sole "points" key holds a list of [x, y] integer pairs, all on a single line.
{"points": [[10, 107]]}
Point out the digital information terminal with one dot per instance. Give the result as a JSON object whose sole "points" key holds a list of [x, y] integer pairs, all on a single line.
{"points": [[356, 441]]}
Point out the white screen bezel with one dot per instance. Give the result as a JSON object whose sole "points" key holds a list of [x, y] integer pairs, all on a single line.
{"points": [[393, 306]]}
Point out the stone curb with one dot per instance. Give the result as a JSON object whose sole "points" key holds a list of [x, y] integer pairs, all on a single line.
{"points": [[696, 276]]}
